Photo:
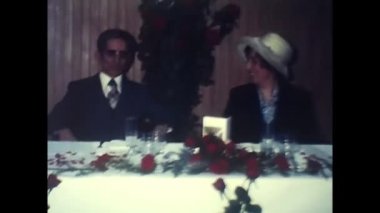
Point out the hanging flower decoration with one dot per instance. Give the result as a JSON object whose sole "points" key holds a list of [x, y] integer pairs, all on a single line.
{"points": [[177, 43]]}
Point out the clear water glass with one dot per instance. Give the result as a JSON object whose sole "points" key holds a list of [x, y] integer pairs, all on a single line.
{"points": [[131, 132]]}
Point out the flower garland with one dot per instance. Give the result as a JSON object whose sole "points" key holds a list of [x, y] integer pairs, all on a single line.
{"points": [[200, 154]]}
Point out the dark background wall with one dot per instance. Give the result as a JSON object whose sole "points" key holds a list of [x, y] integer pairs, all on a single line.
{"points": [[73, 26]]}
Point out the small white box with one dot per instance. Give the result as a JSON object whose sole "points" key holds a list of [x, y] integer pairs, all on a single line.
{"points": [[218, 126]]}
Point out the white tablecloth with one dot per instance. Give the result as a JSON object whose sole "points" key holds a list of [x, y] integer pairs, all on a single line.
{"points": [[120, 192]]}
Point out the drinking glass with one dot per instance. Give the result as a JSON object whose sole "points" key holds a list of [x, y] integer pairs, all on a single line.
{"points": [[131, 132], [155, 141]]}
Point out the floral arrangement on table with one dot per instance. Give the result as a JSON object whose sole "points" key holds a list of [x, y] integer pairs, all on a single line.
{"points": [[199, 154]]}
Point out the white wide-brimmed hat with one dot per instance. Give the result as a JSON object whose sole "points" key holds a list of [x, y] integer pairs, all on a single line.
{"points": [[272, 47]]}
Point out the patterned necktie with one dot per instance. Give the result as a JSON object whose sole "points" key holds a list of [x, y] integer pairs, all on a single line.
{"points": [[113, 94]]}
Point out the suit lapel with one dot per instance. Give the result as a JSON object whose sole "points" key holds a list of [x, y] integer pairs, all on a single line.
{"points": [[96, 92]]}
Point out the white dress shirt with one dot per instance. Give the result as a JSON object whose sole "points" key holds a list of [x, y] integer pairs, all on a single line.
{"points": [[105, 79]]}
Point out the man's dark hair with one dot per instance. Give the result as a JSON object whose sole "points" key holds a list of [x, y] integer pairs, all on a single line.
{"points": [[109, 34]]}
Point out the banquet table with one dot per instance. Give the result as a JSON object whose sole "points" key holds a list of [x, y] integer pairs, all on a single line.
{"points": [[120, 191]]}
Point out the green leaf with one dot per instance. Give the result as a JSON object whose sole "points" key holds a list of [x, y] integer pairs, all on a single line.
{"points": [[253, 208], [242, 195], [234, 207]]}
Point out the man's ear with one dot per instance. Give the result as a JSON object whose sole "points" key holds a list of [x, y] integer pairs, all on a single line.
{"points": [[98, 56]]}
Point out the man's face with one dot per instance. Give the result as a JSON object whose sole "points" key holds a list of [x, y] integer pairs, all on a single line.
{"points": [[116, 59]]}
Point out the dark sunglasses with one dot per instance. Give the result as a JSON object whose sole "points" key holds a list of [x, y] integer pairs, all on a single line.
{"points": [[113, 53]]}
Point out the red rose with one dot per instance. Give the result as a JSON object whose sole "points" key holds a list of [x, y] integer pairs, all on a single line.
{"points": [[212, 149], [230, 148], [101, 161], [53, 181], [281, 162], [220, 166], [252, 173], [219, 185], [191, 143], [242, 154], [105, 157], [253, 169], [213, 146], [100, 165], [148, 164], [209, 139]]}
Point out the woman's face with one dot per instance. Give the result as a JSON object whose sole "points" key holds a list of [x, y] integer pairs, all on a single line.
{"points": [[257, 73]]}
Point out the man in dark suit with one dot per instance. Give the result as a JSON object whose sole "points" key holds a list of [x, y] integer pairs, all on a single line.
{"points": [[269, 106], [95, 108]]}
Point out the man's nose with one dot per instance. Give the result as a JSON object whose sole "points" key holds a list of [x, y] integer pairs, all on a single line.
{"points": [[248, 65], [117, 56]]}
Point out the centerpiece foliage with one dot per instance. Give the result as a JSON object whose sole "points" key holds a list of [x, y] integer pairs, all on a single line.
{"points": [[177, 42]]}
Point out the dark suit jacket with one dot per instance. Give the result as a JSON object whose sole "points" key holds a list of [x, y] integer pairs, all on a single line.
{"points": [[294, 117], [86, 111]]}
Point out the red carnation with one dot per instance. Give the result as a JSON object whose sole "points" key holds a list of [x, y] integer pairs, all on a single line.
{"points": [[230, 148], [253, 169], [148, 164], [209, 139], [101, 161], [219, 185], [282, 163], [220, 166], [211, 148], [213, 145], [242, 154]]}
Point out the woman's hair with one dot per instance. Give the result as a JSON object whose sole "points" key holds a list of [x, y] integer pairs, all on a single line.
{"points": [[249, 53]]}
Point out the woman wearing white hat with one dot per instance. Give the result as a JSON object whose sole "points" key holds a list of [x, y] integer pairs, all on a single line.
{"points": [[270, 106]]}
